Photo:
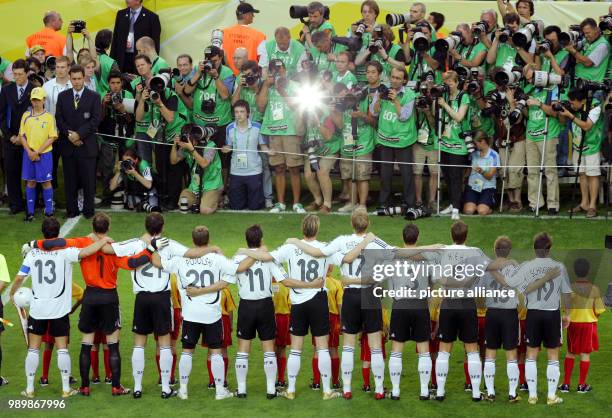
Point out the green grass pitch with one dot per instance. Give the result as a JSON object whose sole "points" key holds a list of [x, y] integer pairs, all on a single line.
{"points": [[227, 231]]}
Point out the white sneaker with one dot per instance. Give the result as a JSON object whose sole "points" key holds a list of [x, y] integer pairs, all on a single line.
{"points": [[223, 395], [278, 207], [298, 208], [269, 204], [455, 215], [182, 395], [97, 200], [447, 211], [80, 199], [348, 208]]}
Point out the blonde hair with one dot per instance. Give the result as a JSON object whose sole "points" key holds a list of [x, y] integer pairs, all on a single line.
{"points": [[360, 220], [310, 226], [450, 75], [502, 246]]}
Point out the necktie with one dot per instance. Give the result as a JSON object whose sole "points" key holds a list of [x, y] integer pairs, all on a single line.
{"points": [[132, 20], [21, 91], [77, 97]]}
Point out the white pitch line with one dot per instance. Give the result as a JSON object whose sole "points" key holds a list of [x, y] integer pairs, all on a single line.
{"points": [[69, 226]]}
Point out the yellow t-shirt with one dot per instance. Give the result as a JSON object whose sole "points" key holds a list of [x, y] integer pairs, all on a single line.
{"points": [[77, 292], [334, 294], [280, 297], [227, 302], [174, 292], [587, 304], [434, 308], [37, 129]]}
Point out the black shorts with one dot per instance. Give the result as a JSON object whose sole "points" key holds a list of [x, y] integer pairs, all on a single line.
{"points": [[409, 322], [461, 323], [1, 316], [313, 314], [58, 327], [486, 197], [543, 327], [212, 334], [105, 318], [256, 316], [152, 313], [355, 316], [502, 329]]}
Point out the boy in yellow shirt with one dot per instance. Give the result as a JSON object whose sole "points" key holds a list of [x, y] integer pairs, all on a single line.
{"points": [[582, 338], [37, 132], [282, 312]]}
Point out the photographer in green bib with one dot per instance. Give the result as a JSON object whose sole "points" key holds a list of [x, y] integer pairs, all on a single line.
{"points": [[592, 59], [318, 21], [382, 49], [422, 57], [471, 52], [164, 114], [325, 60], [211, 87], [363, 29], [503, 52], [282, 47], [104, 64], [455, 105], [146, 46], [396, 134], [195, 146]]}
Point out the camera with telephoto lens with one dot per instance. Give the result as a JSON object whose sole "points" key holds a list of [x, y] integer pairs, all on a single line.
{"points": [[423, 101], [564, 104], [377, 40], [438, 90], [397, 19], [495, 106], [310, 147], [546, 79], [216, 38], [480, 27], [605, 23], [543, 46], [522, 38], [420, 41], [516, 116], [505, 34], [468, 138], [449, 43], [508, 78], [127, 165], [360, 28], [392, 210], [352, 44], [159, 83], [145, 206], [589, 85], [196, 133], [351, 100], [79, 25], [383, 92], [412, 214], [573, 35], [301, 12]]}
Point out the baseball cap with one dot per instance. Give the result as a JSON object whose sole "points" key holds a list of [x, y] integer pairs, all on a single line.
{"points": [[38, 93], [35, 49], [244, 8]]}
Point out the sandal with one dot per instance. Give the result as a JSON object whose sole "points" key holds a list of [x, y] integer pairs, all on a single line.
{"points": [[313, 207], [591, 213], [577, 209]]}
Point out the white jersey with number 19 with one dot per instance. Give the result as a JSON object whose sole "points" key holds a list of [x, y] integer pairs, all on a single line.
{"points": [[51, 273], [149, 278]]}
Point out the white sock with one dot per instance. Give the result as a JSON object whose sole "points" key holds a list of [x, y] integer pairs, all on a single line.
{"points": [[185, 364], [218, 371], [31, 365], [324, 363], [270, 368], [138, 365], [424, 368], [378, 369], [531, 375], [346, 364], [293, 368], [441, 371], [65, 367], [512, 370], [242, 368], [552, 375], [489, 375], [395, 371], [475, 370], [165, 366]]}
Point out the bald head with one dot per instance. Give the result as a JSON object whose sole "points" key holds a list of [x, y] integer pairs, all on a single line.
{"points": [[240, 56], [282, 36], [146, 46], [52, 19]]}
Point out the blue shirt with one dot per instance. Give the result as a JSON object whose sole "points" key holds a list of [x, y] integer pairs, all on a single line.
{"points": [[477, 181], [246, 160]]}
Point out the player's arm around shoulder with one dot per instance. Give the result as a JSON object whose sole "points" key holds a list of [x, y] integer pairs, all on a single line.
{"points": [[306, 248], [94, 248]]}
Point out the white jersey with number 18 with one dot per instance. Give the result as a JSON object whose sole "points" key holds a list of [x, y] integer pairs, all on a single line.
{"points": [[51, 273]]}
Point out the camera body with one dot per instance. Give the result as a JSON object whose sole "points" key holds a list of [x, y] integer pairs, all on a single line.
{"points": [[383, 92], [392, 210], [468, 138], [377, 41], [480, 27], [438, 90], [559, 106], [310, 147], [505, 35], [251, 79], [605, 23], [79, 25], [127, 165], [589, 85], [496, 106], [543, 47], [360, 28], [116, 98]]}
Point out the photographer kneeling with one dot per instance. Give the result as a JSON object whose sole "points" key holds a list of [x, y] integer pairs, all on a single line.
{"points": [[202, 194], [133, 177], [479, 195]]}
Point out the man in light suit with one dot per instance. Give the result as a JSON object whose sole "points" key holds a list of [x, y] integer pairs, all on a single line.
{"points": [[78, 114], [132, 24]]}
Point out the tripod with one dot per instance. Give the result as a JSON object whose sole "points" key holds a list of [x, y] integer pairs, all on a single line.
{"points": [[506, 171]]}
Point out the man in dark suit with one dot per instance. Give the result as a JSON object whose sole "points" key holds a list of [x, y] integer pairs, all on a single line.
{"points": [[14, 101], [132, 24], [78, 114]]}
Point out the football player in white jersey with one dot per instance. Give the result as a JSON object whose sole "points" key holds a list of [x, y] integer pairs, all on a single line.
{"points": [[152, 308], [200, 283], [51, 303], [344, 251], [256, 314], [309, 308], [543, 323]]}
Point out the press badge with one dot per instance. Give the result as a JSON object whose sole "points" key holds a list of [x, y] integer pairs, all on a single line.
{"points": [[348, 138], [152, 130], [423, 136], [242, 160], [277, 113], [275, 287], [477, 185]]}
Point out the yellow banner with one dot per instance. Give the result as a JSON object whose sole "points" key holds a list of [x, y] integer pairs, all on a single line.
{"points": [[187, 24]]}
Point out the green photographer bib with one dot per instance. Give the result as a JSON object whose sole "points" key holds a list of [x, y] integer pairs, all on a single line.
{"points": [[211, 177], [279, 119], [594, 136], [593, 73], [207, 90], [250, 96], [536, 118], [451, 142], [391, 131], [291, 57], [366, 134]]}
